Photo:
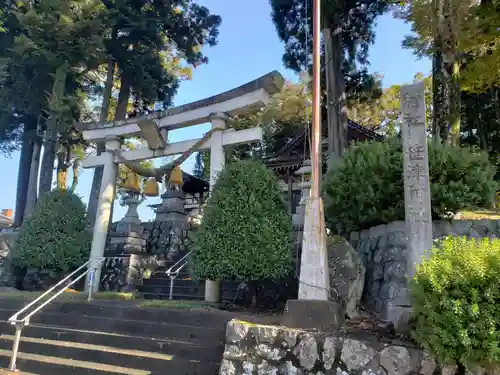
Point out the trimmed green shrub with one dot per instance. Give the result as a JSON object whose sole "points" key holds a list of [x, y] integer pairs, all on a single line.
{"points": [[246, 231], [456, 302], [55, 237], [365, 188]]}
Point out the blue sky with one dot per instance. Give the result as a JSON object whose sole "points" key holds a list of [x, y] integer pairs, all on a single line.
{"points": [[248, 48]]}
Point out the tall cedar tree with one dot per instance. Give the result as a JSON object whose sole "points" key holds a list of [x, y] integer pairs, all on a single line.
{"points": [[347, 32], [463, 40], [142, 35], [46, 47]]}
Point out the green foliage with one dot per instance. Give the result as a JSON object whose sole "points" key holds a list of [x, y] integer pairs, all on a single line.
{"points": [[382, 114], [475, 31], [481, 122], [455, 299], [356, 18], [366, 187], [55, 236], [246, 229]]}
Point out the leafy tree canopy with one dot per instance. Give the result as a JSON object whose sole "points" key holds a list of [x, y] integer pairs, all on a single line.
{"points": [[476, 32], [383, 114]]}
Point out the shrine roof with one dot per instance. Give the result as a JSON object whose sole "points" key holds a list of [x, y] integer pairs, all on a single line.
{"points": [[292, 153], [193, 184]]}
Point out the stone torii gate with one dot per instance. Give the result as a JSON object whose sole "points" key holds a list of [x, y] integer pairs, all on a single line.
{"points": [[154, 129]]}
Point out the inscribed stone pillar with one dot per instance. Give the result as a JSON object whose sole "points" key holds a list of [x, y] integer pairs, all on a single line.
{"points": [[104, 209], [217, 161], [418, 216]]}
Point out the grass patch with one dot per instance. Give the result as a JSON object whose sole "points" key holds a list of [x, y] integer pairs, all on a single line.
{"points": [[113, 296], [72, 295], [173, 304], [480, 214], [75, 296]]}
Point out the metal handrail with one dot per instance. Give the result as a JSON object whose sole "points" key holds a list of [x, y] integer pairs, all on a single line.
{"points": [[173, 272], [91, 266]]}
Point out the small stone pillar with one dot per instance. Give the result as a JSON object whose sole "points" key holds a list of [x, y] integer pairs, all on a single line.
{"points": [[126, 254], [303, 174]]}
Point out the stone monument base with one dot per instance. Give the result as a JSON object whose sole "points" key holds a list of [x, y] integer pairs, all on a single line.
{"points": [[124, 273], [325, 316]]}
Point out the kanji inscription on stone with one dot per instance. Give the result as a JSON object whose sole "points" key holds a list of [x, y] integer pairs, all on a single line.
{"points": [[418, 216]]}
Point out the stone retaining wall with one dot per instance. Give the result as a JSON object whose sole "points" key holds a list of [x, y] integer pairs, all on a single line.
{"points": [[7, 239], [385, 255], [253, 349]]}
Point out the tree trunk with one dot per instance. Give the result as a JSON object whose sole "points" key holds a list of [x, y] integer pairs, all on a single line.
{"points": [[49, 152], [23, 176], [121, 114], [31, 197], [47, 167], [76, 175], [451, 65], [108, 88], [62, 169], [440, 116], [342, 98], [455, 103], [101, 147], [439, 131], [461, 370], [123, 98], [331, 109], [337, 110]]}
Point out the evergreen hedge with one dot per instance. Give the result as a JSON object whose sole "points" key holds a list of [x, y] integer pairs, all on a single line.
{"points": [[55, 236], [246, 231], [365, 188], [456, 300]]}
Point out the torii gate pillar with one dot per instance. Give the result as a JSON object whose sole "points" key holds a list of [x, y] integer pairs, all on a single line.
{"points": [[217, 162], [103, 215]]}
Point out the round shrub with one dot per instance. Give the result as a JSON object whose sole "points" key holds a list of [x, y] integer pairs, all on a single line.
{"points": [[246, 230], [54, 238], [456, 302], [365, 188]]}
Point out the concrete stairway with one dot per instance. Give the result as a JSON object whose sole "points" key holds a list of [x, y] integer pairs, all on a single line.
{"points": [[111, 338], [158, 287]]}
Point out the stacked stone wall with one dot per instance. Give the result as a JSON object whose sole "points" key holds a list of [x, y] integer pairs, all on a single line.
{"points": [[253, 349], [385, 254]]}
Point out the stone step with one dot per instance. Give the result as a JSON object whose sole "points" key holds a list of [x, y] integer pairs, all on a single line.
{"points": [[179, 349], [126, 311], [115, 338], [45, 365], [154, 329], [135, 361], [7, 372], [181, 291], [152, 295], [165, 280]]}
